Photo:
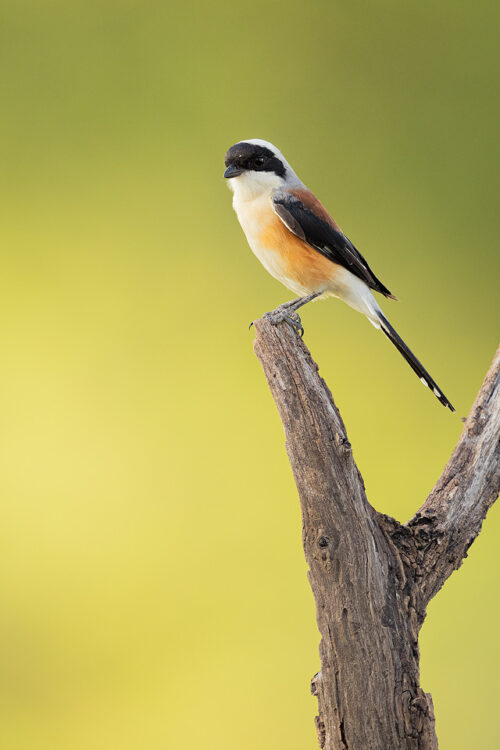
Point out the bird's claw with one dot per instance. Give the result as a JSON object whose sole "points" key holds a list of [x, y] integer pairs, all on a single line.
{"points": [[280, 315], [294, 320]]}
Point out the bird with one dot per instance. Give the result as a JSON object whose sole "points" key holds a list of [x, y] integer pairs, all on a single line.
{"points": [[299, 244]]}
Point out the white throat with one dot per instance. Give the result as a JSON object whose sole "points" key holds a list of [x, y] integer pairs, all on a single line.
{"points": [[251, 185]]}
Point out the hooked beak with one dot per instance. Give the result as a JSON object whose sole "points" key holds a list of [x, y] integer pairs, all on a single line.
{"points": [[232, 171]]}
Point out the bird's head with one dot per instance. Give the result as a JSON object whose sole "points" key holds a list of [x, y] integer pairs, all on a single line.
{"points": [[254, 167]]}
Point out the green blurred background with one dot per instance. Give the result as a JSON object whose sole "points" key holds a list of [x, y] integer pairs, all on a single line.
{"points": [[154, 591]]}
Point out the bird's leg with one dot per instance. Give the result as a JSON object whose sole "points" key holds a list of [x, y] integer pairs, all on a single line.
{"points": [[288, 312], [294, 304], [290, 303]]}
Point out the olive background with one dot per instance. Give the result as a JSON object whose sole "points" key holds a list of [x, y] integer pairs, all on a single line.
{"points": [[153, 586]]}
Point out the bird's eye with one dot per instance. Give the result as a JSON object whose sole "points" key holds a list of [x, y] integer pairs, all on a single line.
{"points": [[258, 161]]}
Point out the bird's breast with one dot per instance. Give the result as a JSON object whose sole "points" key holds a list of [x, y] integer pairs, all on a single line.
{"points": [[284, 255]]}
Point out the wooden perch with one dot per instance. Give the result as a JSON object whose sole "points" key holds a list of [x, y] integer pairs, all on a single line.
{"points": [[371, 576]]}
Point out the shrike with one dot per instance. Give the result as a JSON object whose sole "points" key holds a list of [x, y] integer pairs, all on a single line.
{"points": [[299, 243]]}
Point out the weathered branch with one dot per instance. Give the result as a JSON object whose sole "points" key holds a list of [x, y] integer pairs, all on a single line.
{"points": [[452, 516], [365, 568]]}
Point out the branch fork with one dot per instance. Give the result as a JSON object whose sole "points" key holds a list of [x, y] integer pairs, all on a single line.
{"points": [[371, 576]]}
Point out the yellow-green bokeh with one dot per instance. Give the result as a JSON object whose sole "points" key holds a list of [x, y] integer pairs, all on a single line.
{"points": [[154, 592]]}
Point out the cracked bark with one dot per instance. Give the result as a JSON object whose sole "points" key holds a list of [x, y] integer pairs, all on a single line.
{"points": [[371, 576]]}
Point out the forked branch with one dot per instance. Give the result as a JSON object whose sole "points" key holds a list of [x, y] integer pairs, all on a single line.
{"points": [[371, 576]]}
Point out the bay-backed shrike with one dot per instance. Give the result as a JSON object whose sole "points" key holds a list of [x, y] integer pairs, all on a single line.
{"points": [[299, 243]]}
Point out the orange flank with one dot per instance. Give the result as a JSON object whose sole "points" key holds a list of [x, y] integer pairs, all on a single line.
{"points": [[296, 260]]}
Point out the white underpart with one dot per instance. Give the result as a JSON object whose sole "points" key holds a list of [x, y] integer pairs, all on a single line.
{"points": [[253, 191], [353, 290]]}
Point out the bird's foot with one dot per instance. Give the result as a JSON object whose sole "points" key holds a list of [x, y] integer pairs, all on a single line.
{"points": [[282, 314]]}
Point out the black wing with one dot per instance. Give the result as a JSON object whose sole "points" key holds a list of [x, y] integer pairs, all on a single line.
{"points": [[318, 233]]}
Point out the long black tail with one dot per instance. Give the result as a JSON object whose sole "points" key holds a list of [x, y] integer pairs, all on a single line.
{"points": [[413, 361]]}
